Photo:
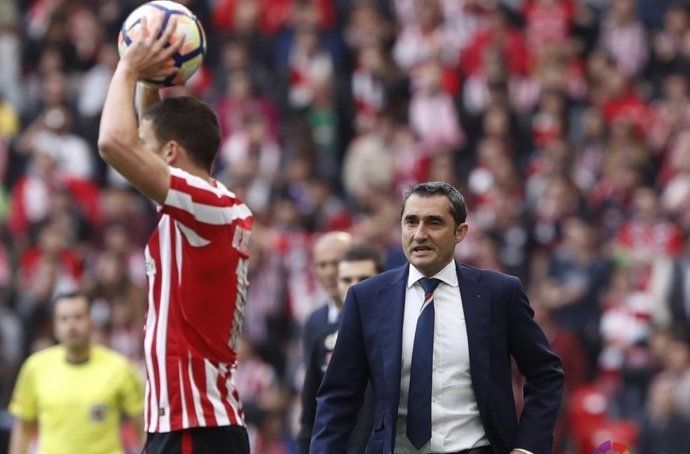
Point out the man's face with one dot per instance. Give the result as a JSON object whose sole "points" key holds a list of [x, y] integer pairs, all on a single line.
{"points": [[327, 253], [351, 273], [149, 139], [72, 323], [429, 234]]}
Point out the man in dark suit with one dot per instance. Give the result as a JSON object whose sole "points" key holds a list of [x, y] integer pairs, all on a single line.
{"points": [[326, 253], [435, 339], [678, 288], [359, 262]]}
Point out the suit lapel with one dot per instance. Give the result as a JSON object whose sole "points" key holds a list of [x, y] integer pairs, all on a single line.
{"points": [[390, 321], [476, 303]]}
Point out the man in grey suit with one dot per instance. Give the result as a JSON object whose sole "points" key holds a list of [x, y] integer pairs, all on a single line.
{"points": [[435, 339]]}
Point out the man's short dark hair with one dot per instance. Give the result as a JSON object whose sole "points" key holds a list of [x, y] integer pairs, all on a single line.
{"points": [[363, 251], [68, 296], [458, 208], [190, 122]]}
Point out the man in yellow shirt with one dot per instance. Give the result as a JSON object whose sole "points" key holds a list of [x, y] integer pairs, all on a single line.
{"points": [[75, 393]]}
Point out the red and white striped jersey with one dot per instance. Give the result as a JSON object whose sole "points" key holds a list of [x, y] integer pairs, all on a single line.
{"points": [[196, 265]]}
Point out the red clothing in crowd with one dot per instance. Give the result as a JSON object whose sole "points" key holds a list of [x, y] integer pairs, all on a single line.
{"points": [[511, 42], [273, 15], [31, 201], [548, 23]]}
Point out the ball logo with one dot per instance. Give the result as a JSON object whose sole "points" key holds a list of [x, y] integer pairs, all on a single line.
{"points": [[611, 447]]}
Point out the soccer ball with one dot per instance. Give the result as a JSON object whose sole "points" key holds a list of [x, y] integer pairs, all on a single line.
{"points": [[191, 54]]}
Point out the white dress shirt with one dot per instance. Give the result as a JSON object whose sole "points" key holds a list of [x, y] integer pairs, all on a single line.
{"points": [[455, 423], [333, 311]]}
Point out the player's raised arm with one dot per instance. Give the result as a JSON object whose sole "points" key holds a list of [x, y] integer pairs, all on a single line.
{"points": [[129, 149]]}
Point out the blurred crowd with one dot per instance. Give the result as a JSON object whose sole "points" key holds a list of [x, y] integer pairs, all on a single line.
{"points": [[564, 122]]}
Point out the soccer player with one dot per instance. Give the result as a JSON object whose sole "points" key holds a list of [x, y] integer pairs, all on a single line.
{"points": [[75, 393], [196, 259]]}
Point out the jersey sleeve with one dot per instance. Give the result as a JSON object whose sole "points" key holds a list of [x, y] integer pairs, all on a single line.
{"points": [[24, 404], [201, 209], [131, 392]]}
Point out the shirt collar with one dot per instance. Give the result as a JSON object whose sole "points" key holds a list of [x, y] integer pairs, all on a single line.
{"points": [[448, 275], [333, 311]]}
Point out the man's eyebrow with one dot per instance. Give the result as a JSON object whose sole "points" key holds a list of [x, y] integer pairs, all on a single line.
{"points": [[326, 262], [427, 218]]}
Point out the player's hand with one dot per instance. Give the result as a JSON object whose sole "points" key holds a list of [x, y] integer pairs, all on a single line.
{"points": [[150, 55]]}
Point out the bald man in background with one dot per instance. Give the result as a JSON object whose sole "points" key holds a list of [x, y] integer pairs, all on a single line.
{"points": [[326, 254]]}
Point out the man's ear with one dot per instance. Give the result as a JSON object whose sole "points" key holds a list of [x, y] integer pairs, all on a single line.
{"points": [[172, 150], [461, 232]]}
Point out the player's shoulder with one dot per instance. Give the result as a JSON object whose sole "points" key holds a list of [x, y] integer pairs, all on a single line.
{"points": [[188, 182], [45, 357], [187, 188], [318, 316], [107, 355], [112, 364], [47, 353], [487, 277]]}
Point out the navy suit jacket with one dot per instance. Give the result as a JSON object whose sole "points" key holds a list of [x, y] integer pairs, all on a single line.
{"points": [[500, 325], [318, 335]]}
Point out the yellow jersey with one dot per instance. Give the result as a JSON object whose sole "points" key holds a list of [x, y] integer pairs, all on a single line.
{"points": [[78, 407]]}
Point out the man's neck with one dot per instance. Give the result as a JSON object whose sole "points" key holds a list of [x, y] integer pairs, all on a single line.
{"points": [[184, 162], [197, 172], [78, 355]]}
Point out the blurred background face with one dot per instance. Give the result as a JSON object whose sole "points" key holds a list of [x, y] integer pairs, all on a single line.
{"points": [[662, 398], [307, 40], [54, 88], [677, 356], [623, 9], [72, 323], [429, 14], [239, 85], [351, 273], [646, 204], [431, 77], [110, 270], [327, 253]]}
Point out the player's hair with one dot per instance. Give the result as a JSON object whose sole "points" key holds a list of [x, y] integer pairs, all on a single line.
{"points": [[190, 122], [68, 296], [363, 251], [458, 208]]}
